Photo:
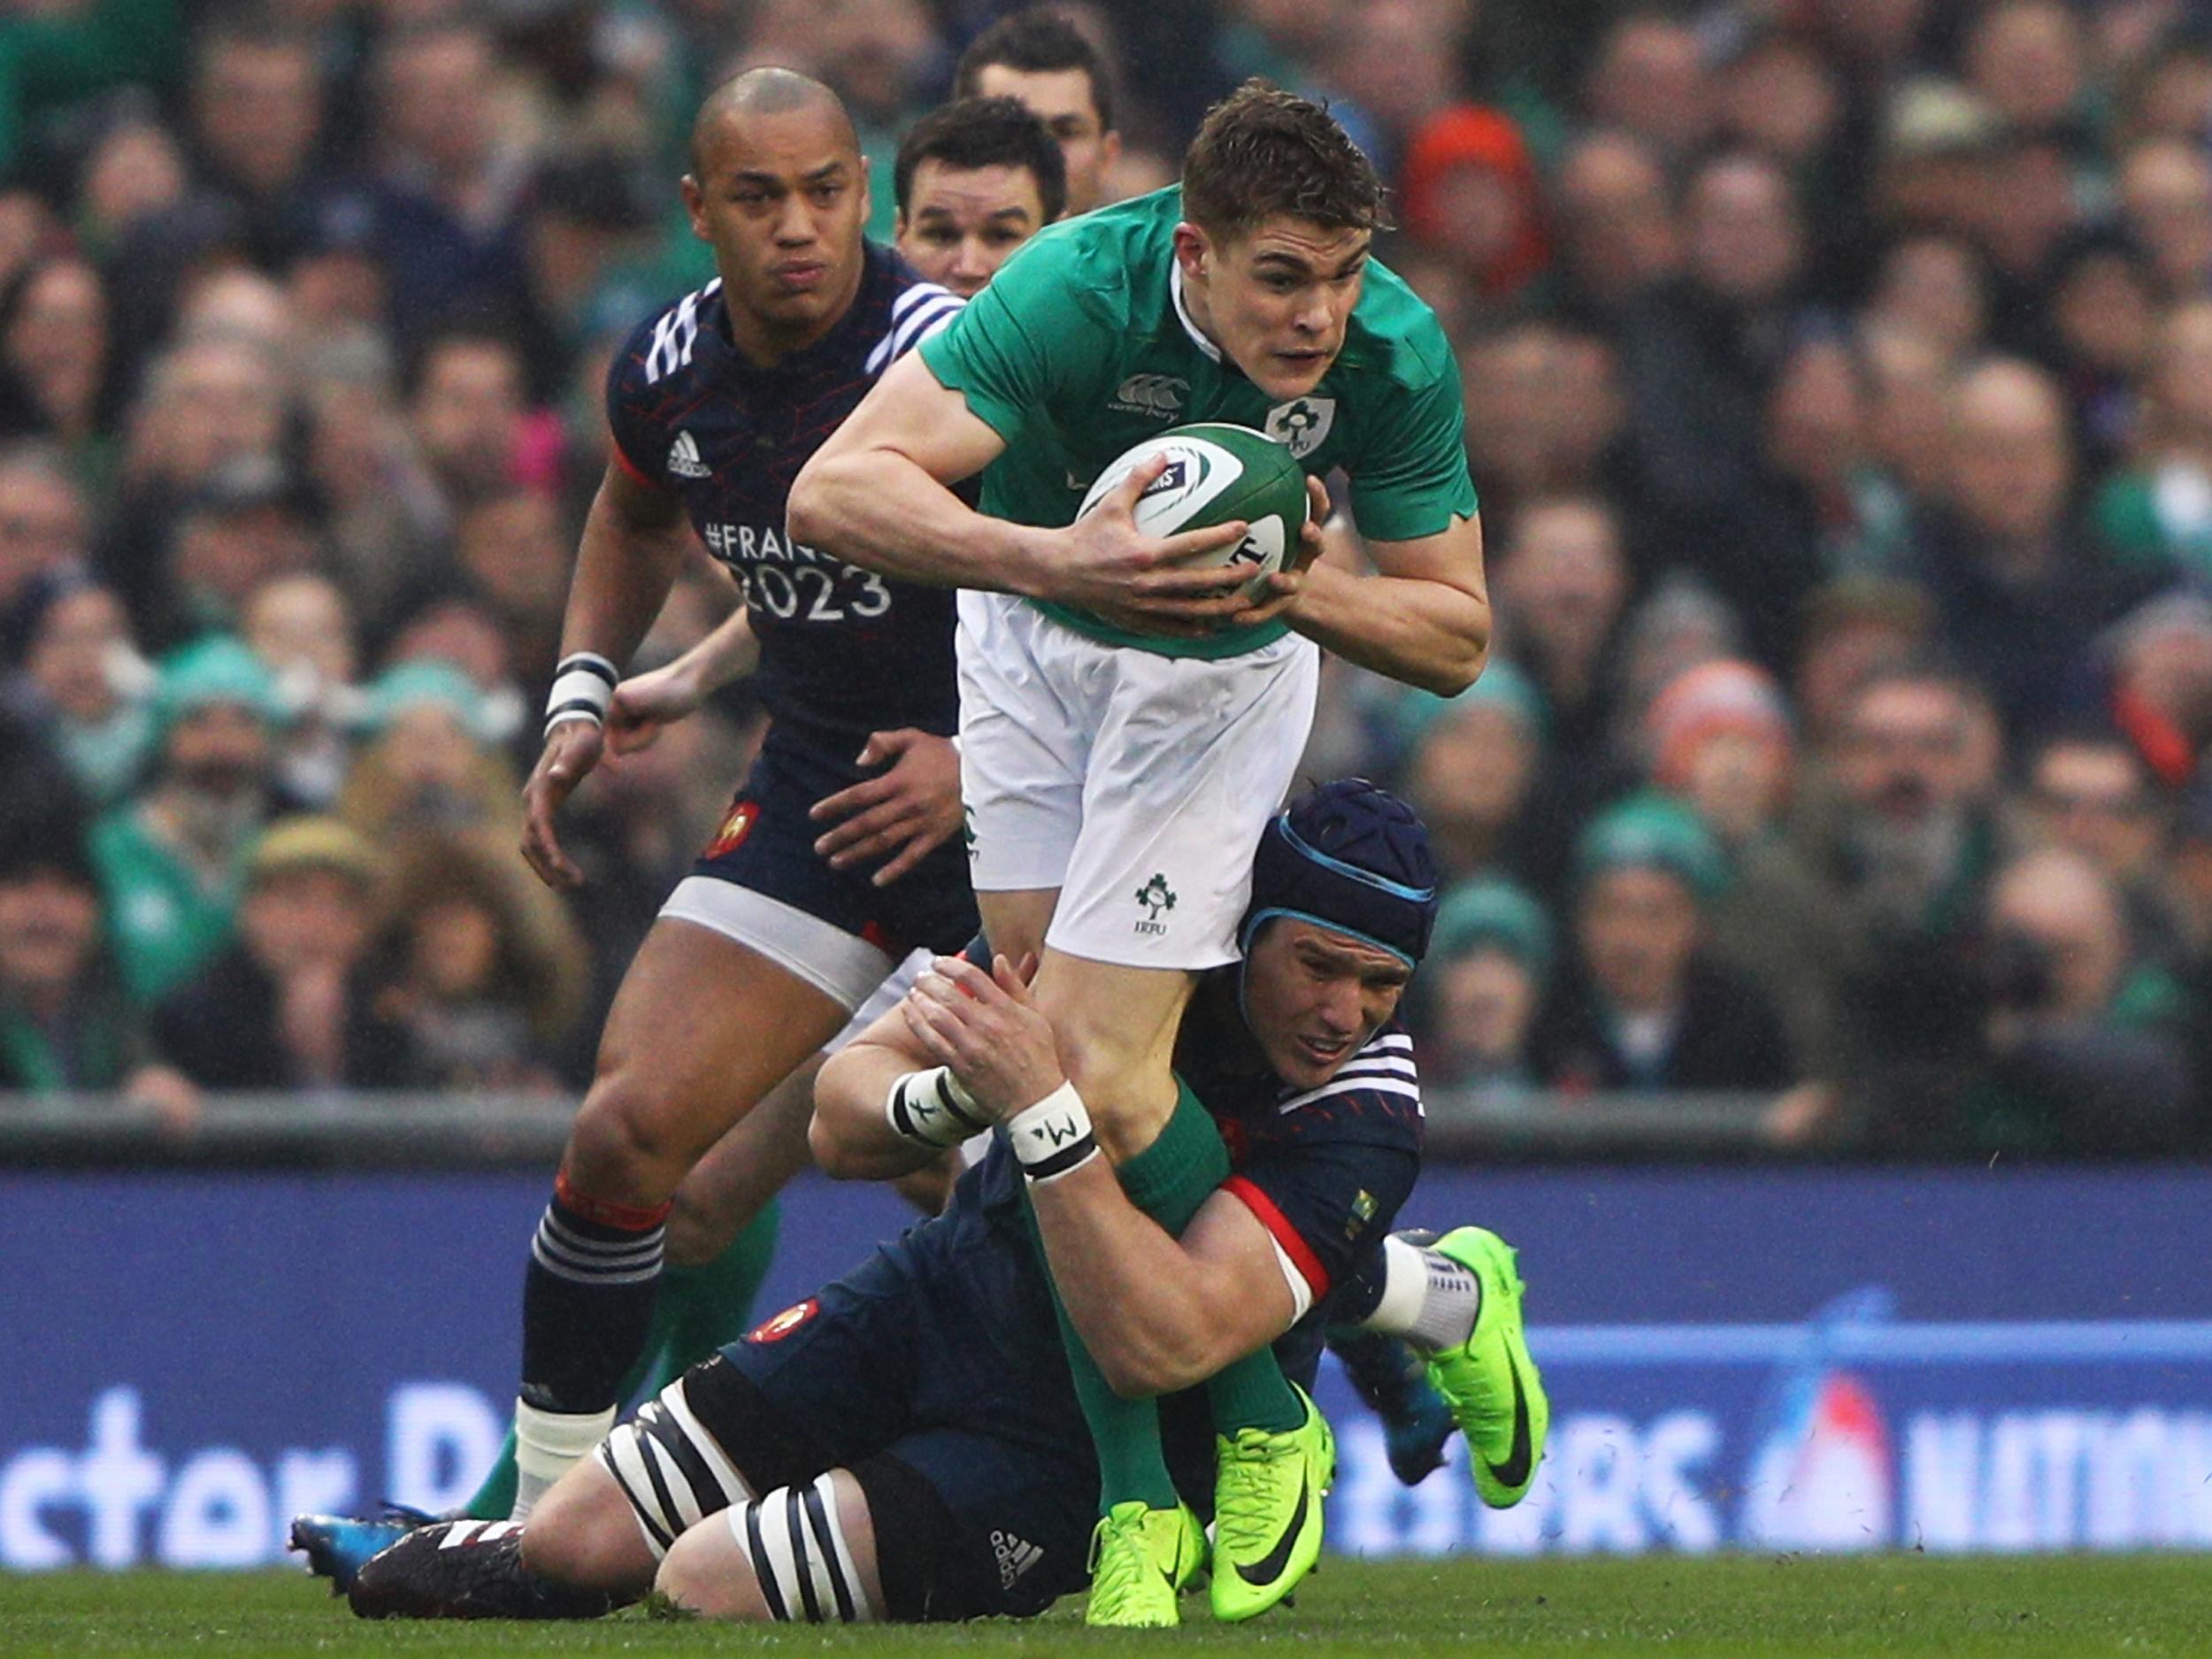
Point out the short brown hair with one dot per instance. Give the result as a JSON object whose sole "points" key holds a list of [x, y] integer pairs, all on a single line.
{"points": [[1261, 152]]}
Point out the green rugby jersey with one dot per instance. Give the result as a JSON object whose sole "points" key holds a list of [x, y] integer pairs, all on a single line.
{"points": [[1082, 347]]}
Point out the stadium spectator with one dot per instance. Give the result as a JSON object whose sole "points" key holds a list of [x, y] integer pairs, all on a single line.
{"points": [[286, 1007], [2156, 512], [1649, 77], [1471, 197], [2165, 190], [2090, 792], [1719, 740], [431, 764], [514, 552], [1470, 761], [69, 641], [44, 521], [66, 1022], [2078, 1052], [2019, 590], [54, 335], [1616, 223], [482, 980], [170, 862], [257, 113], [303, 628], [471, 417], [1699, 357], [449, 179], [247, 524], [1545, 413], [1895, 831], [1642, 1004], [1488, 963]]}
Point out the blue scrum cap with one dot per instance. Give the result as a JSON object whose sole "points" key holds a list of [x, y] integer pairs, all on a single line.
{"points": [[1349, 856]]}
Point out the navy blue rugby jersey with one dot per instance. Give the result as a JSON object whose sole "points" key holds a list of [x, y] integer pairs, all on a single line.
{"points": [[844, 651]]}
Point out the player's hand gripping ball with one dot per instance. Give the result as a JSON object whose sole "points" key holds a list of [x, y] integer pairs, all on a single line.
{"points": [[1218, 473]]}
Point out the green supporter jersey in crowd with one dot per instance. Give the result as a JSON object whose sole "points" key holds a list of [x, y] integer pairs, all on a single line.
{"points": [[164, 922], [1081, 348]]}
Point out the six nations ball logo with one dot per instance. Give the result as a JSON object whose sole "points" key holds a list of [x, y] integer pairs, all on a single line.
{"points": [[1160, 395]]}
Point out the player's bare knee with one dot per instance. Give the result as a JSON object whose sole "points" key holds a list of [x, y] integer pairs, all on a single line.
{"points": [[707, 1573], [621, 1148], [583, 1532]]}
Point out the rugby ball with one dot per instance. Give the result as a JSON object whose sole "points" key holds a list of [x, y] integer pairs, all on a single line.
{"points": [[1218, 473]]}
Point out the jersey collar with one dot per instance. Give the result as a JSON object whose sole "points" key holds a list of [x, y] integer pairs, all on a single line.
{"points": [[1182, 311]]}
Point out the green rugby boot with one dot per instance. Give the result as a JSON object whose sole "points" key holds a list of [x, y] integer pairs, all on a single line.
{"points": [[1267, 1512], [1141, 1559], [1489, 1381]]}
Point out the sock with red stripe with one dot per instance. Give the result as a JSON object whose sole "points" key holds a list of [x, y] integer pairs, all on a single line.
{"points": [[587, 1302]]}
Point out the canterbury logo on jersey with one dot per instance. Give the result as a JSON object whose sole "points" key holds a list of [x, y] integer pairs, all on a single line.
{"points": [[1160, 395], [684, 460], [676, 336], [915, 314]]}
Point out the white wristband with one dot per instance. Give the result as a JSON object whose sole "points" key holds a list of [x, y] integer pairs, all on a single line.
{"points": [[583, 689], [1054, 1136], [931, 1109]]}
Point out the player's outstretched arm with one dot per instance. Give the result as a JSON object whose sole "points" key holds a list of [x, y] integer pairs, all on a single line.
{"points": [[634, 539], [877, 494], [1158, 1313], [1422, 617], [851, 1136], [645, 704]]}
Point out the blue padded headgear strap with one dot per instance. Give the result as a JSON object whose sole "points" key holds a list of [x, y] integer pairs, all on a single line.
{"points": [[1351, 857]]}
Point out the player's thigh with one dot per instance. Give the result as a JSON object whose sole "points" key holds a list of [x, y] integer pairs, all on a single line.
{"points": [[1025, 741], [1191, 760], [973, 1523], [804, 1553], [702, 1028], [584, 1532]]}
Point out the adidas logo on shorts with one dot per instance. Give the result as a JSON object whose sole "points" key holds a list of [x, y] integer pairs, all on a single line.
{"points": [[1016, 1557], [683, 457]]}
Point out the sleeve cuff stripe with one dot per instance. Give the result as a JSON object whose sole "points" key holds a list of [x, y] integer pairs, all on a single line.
{"points": [[1288, 1237]]}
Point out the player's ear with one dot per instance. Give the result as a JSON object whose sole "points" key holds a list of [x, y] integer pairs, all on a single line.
{"points": [[1191, 251], [695, 206]]}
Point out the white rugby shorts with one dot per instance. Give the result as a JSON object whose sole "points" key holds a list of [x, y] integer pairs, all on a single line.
{"points": [[1136, 784]]}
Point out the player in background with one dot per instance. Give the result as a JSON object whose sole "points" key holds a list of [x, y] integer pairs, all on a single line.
{"points": [[765, 950], [1040, 59], [974, 180], [903, 1445], [1124, 742]]}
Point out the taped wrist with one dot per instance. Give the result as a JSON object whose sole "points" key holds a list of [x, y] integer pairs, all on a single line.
{"points": [[931, 1109], [583, 689], [1053, 1137]]}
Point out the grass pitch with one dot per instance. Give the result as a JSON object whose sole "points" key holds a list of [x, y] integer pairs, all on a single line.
{"points": [[1714, 1608]]}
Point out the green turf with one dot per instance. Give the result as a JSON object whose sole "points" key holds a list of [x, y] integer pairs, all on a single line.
{"points": [[1908, 1605]]}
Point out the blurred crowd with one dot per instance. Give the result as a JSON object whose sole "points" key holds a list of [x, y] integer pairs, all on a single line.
{"points": [[1839, 385]]}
